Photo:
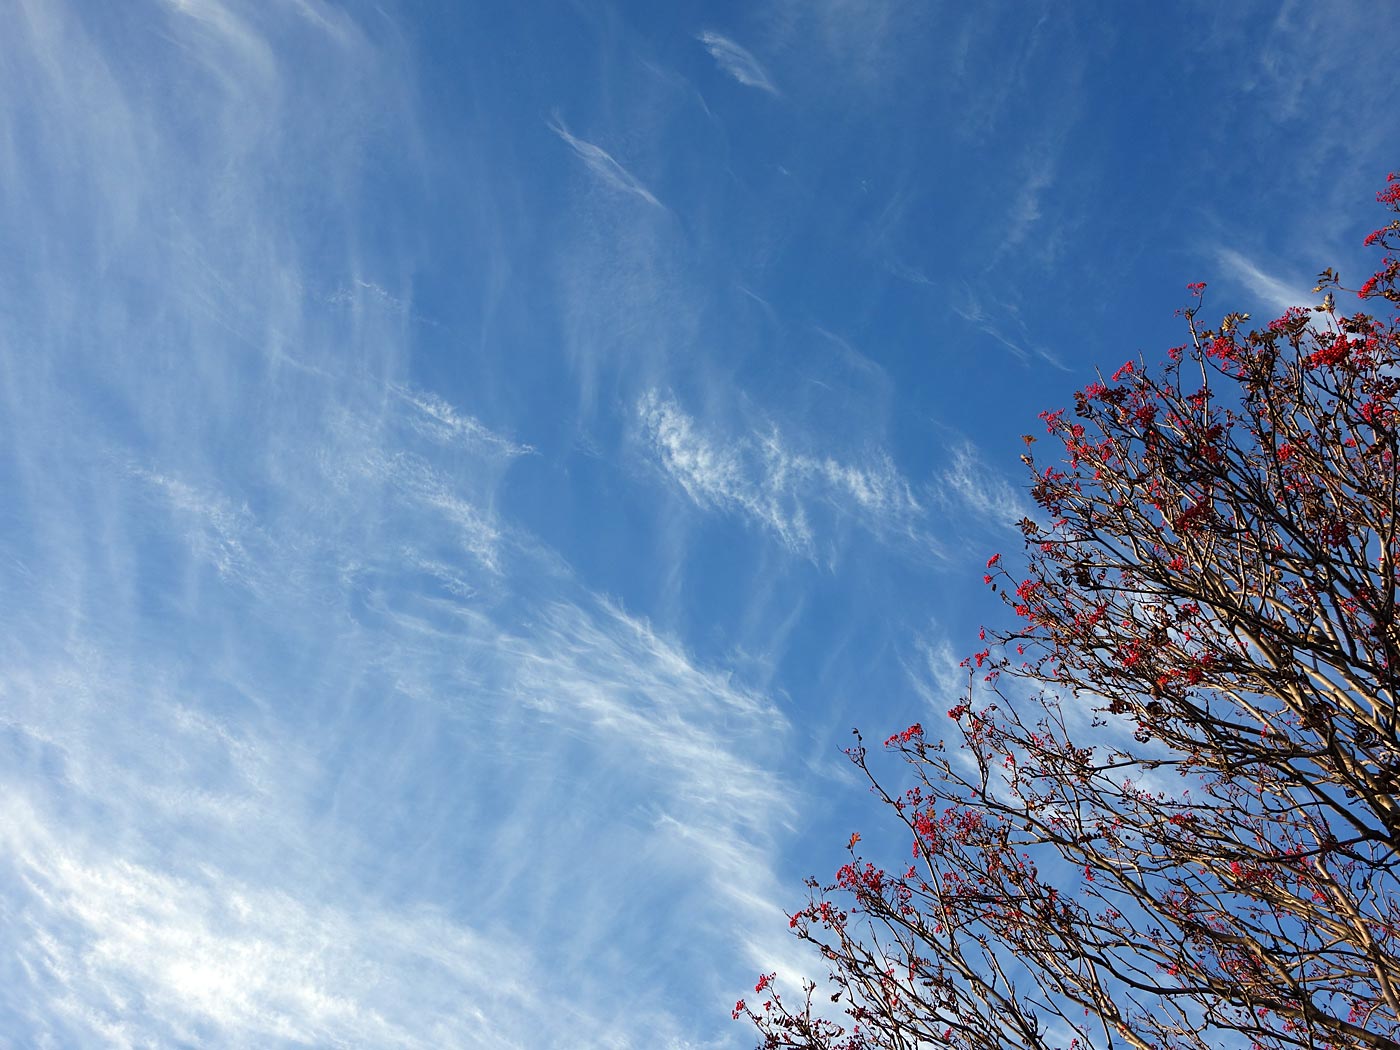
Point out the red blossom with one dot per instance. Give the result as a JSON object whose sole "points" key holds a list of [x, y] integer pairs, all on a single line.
{"points": [[1222, 347], [1333, 354]]}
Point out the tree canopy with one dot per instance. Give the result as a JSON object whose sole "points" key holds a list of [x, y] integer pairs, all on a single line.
{"points": [[1167, 814]]}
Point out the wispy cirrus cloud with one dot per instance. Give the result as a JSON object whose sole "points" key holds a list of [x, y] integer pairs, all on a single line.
{"points": [[219, 531], [304, 740], [216, 959], [1026, 206], [1277, 292], [602, 164], [1002, 321], [783, 490], [437, 419], [474, 678], [120, 902], [738, 62], [970, 483]]}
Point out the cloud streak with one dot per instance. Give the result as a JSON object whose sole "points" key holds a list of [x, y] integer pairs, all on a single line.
{"points": [[1276, 292], [214, 959], [760, 478], [435, 418], [738, 62], [968, 482], [1019, 340], [602, 164]]}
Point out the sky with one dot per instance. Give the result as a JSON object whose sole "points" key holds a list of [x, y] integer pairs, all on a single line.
{"points": [[467, 467]]}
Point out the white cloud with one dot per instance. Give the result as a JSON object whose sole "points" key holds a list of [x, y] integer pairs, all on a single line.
{"points": [[939, 677], [1026, 207], [602, 164], [215, 529], [139, 956], [1004, 325], [1278, 293], [437, 419], [737, 62], [969, 482], [641, 692], [716, 477], [154, 913], [759, 477]]}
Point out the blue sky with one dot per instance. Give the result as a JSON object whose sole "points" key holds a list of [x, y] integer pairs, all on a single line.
{"points": [[468, 466]]}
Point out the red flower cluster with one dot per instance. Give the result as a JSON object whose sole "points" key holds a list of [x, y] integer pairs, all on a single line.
{"points": [[904, 736], [1332, 354]]}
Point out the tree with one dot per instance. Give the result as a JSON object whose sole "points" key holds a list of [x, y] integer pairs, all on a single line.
{"points": [[1170, 813]]}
